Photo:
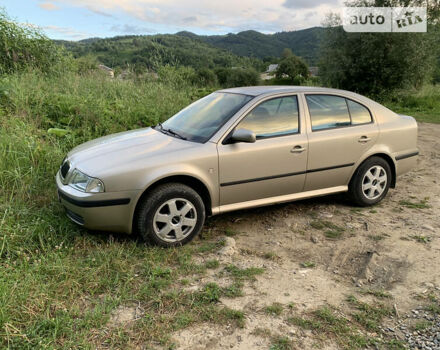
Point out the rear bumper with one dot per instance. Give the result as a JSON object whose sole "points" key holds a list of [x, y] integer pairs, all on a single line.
{"points": [[109, 211], [406, 161]]}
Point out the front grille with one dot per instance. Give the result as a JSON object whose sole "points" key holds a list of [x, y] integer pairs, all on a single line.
{"points": [[75, 217], [65, 169]]}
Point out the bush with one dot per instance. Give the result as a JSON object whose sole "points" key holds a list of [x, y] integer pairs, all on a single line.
{"points": [[86, 64], [23, 47], [233, 77], [205, 77], [176, 76]]}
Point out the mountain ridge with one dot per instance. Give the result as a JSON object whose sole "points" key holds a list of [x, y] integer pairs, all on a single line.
{"points": [[246, 48]]}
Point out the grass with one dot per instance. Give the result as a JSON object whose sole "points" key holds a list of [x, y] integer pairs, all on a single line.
{"points": [[247, 274], [59, 284], [331, 230], [434, 308], [230, 232], [422, 325], [369, 316], [421, 239], [305, 323], [423, 104], [212, 264], [275, 309], [348, 332], [308, 264], [280, 343], [378, 293], [277, 342], [423, 204]]}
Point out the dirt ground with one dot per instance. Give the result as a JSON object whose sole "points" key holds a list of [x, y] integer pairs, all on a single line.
{"points": [[393, 246]]}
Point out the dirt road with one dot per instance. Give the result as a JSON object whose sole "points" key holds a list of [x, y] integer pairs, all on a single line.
{"points": [[317, 252]]}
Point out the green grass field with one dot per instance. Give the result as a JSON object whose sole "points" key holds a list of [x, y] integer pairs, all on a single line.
{"points": [[59, 284], [423, 104]]}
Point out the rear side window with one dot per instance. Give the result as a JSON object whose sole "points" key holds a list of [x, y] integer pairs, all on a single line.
{"points": [[359, 114], [275, 117], [328, 112]]}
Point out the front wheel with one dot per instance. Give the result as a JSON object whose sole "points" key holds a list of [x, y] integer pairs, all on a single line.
{"points": [[370, 182], [171, 215]]}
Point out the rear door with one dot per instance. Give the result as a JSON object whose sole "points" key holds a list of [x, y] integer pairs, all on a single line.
{"points": [[340, 130], [272, 166]]}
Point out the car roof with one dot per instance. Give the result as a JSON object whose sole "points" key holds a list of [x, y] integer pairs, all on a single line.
{"points": [[274, 89]]}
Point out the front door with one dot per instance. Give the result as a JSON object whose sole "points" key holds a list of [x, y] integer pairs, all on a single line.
{"points": [[272, 166]]}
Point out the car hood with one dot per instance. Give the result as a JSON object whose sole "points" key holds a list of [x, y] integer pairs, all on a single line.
{"points": [[110, 152]]}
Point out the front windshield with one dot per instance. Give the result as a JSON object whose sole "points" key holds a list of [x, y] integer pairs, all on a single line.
{"points": [[201, 119]]}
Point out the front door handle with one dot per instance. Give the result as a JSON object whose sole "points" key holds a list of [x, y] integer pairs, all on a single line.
{"points": [[297, 149], [364, 139]]}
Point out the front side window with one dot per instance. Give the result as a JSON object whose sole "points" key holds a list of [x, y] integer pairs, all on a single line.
{"points": [[275, 117], [202, 119], [327, 111]]}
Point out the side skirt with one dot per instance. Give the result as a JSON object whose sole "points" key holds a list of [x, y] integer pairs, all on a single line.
{"points": [[278, 199]]}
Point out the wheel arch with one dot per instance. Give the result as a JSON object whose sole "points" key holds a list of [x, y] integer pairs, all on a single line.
{"points": [[385, 157], [188, 180]]}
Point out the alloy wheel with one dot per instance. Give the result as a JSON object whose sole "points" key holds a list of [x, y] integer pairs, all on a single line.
{"points": [[175, 219], [374, 182]]}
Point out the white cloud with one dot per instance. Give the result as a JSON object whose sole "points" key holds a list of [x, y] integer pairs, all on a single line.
{"points": [[48, 6], [307, 4], [67, 32], [130, 29], [225, 15]]}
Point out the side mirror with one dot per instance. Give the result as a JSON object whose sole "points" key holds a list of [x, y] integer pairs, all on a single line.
{"points": [[243, 135]]}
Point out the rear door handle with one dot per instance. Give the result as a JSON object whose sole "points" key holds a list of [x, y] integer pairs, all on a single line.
{"points": [[297, 149], [364, 139]]}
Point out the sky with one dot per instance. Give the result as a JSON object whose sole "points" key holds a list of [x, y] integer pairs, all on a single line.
{"points": [[81, 19]]}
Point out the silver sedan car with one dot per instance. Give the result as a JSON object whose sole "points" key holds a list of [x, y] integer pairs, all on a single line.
{"points": [[234, 149]]}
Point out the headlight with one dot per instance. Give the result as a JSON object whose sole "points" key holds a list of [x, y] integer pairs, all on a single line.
{"points": [[85, 183]]}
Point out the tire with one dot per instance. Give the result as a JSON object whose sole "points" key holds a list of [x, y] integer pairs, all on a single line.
{"points": [[171, 215], [370, 182]]}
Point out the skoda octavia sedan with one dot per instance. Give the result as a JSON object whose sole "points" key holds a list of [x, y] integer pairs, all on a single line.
{"points": [[234, 149]]}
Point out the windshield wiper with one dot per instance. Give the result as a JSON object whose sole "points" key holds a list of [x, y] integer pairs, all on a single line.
{"points": [[171, 132], [174, 133]]}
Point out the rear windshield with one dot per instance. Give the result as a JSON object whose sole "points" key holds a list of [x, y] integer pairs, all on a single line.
{"points": [[202, 119]]}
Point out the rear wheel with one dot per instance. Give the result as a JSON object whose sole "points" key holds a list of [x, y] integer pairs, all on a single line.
{"points": [[370, 182], [171, 215]]}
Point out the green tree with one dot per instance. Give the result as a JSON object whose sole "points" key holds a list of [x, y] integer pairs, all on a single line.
{"points": [[375, 63], [206, 77], [287, 53], [234, 77], [294, 67]]}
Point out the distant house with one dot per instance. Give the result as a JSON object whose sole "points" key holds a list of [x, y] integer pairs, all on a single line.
{"points": [[270, 72], [272, 68], [313, 71], [108, 70]]}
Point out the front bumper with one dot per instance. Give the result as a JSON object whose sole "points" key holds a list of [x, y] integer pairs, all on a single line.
{"points": [[110, 211]]}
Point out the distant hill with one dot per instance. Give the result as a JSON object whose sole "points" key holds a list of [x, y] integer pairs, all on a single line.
{"points": [[199, 51], [154, 50], [250, 43]]}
